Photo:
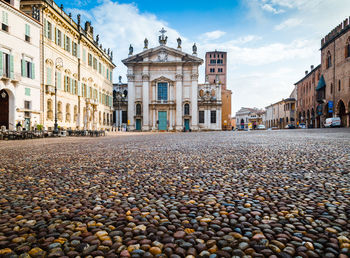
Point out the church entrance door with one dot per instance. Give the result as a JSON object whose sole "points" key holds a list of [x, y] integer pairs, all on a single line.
{"points": [[4, 109], [138, 124], [187, 125], [162, 118]]}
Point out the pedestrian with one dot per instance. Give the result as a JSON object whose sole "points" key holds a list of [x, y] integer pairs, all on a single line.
{"points": [[18, 126]]}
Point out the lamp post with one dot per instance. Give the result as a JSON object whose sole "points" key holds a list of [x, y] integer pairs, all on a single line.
{"points": [[120, 98], [58, 64]]}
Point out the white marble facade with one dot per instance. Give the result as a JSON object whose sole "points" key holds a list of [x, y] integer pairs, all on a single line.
{"points": [[163, 88]]}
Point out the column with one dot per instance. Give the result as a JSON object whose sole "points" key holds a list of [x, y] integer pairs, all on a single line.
{"points": [[171, 119], [131, 100], [194, 101], [179, 124], [145, 101], [218, 119], [154, 119], [207, 118]]}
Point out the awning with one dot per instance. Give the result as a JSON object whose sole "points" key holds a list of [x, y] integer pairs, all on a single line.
{"points": [[321, 83]]}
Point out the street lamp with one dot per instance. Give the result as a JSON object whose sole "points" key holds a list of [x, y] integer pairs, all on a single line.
{"points": [[58, 65], [120, 98]]}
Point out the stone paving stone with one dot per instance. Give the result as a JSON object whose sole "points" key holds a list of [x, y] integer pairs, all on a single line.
{"points": [[223, 194]]}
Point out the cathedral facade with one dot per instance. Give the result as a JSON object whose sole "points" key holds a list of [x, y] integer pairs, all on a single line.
{"points": [[163, 91]]}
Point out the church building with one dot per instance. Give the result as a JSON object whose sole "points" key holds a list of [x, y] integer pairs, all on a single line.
{"points": [[163, 90]]}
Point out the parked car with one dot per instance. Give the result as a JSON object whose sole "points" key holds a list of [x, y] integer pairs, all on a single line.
{"points": [[290, 126], [332, 122], [261, 127], [302, 126]]}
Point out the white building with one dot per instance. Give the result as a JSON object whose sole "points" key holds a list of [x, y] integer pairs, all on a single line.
{"points": [[163, 88], [74, 60], [19, 67], [210, 106], [246, 116]]}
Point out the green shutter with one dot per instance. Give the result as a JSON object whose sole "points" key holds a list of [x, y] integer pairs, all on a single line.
{"points": [[110, 76], [27, 30], [58, 80], [71, 85], [78, 51], [11, 67], [1, 65], [5, 18], [33, 71], [23, 62], [49, 76], [79, 89], [27, 91], [56, 36]]}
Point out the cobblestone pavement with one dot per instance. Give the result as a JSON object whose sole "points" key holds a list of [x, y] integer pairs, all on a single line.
{"points": [[216, 194]]}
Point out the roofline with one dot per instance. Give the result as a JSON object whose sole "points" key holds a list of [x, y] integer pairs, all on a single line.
{"points": [[21, 12], [345, 30], [308, 74]]}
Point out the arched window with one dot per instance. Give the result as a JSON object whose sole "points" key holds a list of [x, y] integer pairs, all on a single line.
{"points": [[347, 48], [329, 60], [187, 109], [59, 111], [75, 113], [138, 109]]}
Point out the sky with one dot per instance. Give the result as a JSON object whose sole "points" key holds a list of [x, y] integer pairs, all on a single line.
{"points": [[270, 43]]}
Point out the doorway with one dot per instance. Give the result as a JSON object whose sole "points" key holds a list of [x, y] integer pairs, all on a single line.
{"points": [[138, 124], [4, 109], [162, 118], [187, 125]]}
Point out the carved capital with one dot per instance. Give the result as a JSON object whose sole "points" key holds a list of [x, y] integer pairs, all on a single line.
{"points": [[145, 77], [178, 77], [131, 77], [194, 77]]}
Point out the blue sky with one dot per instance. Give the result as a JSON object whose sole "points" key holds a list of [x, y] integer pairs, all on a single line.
{"points": [[270, 43]]}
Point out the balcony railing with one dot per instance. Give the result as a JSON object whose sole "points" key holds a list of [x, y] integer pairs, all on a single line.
{"points": [[163, 102]]}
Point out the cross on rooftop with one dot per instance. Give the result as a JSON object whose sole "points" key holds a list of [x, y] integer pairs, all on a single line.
{"points": [[163, 31]]}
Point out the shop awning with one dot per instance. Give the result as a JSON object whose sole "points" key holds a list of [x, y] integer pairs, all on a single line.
{"points": [[321, 83]]}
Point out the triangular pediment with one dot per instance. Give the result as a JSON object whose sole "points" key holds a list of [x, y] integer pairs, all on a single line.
{"points": [[162, 54]]}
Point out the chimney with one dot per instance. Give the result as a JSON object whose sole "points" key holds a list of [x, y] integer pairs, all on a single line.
{"points": [[306, 72], [312, 67]]}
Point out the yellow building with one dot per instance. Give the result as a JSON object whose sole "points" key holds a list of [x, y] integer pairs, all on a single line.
{"points": [[74, 61]]}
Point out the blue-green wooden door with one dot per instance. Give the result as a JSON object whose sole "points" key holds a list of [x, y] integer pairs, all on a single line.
{"points": [[162, 118], [187, 124], [138, 124]]}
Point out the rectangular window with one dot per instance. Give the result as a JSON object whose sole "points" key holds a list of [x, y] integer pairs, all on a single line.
{"points": [[124, 117], [27, 91], [27, 33], [201, 117], [213, 116], [162, 91], [212, 70], [107, 75], [84, 55], [212, 61], [27, 104], [49, 30], [5, 64], [74, 49], [59, 38], [100, 68], [28, 69], [5, 20], [90, 59], [48, 76], [67, 45], [95, 63], [220, 61], [220, 70]]}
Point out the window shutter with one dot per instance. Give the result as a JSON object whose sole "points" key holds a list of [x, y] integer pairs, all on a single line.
{"points": [[1, 65], [33, 71], [58, 80], [49, 76], [70, 85], [11, 67], [79, 89], [110, 76], [5, 17], [56, 36], [110, 101], [23, 70]]}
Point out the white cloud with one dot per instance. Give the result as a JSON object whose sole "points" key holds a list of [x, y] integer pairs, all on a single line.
{"points": [[212, 35], [270, 8], [289, 23]]}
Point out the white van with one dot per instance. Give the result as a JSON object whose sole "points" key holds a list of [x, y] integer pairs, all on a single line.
{"points": [[332, 122]]}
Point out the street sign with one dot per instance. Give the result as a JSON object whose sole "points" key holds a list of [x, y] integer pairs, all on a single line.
{"points": [[330, 106]]}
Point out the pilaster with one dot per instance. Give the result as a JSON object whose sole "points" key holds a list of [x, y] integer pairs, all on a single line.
{"points": [[179, 85], [145, 101], [131, 100], [194, 101]]}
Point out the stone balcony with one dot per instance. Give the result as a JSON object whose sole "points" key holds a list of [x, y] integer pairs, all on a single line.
{"points": [[49, 89]]}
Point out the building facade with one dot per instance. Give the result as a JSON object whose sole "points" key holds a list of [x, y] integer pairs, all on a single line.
{"points": [[76, 63], [333, 90], [216, 72], [281, 114], [209, 106], [306, 102], [19, 67], [163, 88], [120, 103], [246, 116]]}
